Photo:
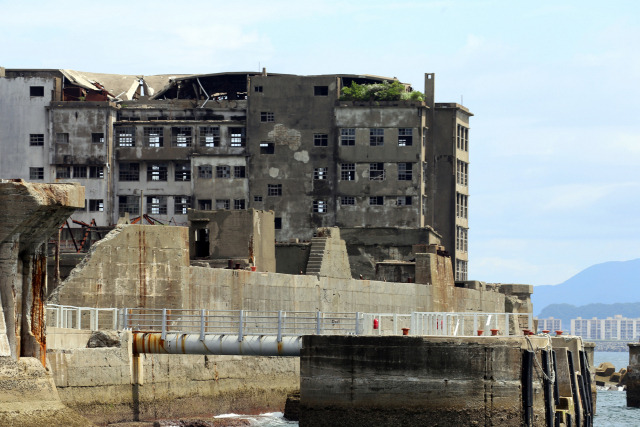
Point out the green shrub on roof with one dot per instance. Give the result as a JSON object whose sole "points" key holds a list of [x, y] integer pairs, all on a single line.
{"points": [[385, 91]]}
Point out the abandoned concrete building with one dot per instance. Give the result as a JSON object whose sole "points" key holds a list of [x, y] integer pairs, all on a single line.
{"points": [[160, 145]]}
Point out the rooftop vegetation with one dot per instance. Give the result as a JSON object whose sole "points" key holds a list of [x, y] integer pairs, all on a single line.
{"points": [[385, 91]]}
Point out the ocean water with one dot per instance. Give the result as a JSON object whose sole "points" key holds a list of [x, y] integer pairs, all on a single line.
{"points": [[272, 419]]}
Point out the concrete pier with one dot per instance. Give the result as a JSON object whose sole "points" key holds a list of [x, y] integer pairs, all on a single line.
{"points": [[633, 376], [355, 380]]}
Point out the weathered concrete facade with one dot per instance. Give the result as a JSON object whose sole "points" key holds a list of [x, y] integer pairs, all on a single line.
{"points": [[160, 145]]}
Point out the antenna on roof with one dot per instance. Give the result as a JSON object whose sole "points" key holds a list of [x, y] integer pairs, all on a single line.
{"points": [[461, 100]]}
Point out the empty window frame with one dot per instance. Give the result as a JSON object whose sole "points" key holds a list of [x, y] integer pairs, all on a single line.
{"points": [[209, 136], [462, 138], [36, 139], [376, 171], [320, 139], [348, 171], [96, 205], [129, 204], [258, 89], [223, 204], [462, 202], [36, 173], [63, 172], [461, 239], [239, 204], [462, 176], [204, 204], [157, 172], [96, 172], [97, 138], [223, 171], [183, 172], [153, 136], [376, 136], [157, 205], [348, 136], [320, 174], [376, 201], [320, 206], [267, 147], [181, 204], [277, 223], [404, 201], [321, 90], [125, 136], [205, 171], [405, 137], [267, 116], [129, 172], [257, 198], [36, 90], [405, 171], [181, 136], [347, 201], [274, 189], [237, 137], [62, 138], [239, 171], [461, 270], [79, 171]]}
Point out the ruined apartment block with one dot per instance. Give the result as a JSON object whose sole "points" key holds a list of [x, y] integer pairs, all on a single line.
{"points": [[160, 145]]}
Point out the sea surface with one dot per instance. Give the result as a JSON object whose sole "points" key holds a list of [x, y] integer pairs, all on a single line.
{"points": [[611, 409]]}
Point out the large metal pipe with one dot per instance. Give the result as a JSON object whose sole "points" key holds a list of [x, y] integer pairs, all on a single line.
{"points": [[233, 345]]}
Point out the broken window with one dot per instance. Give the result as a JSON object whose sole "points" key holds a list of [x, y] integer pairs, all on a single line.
{"points": [[157, 205], [36, 90], [239, 204], [223, 171], [347, 200], [183, 172], [274, 189], [96, 205], [157, 172], [36, 173], [63, 172], [181, 136], [376, 136], [320, 139], [376, 200], [205, 171], [462, 201], [257, 198], [129, 172], [376, 171], [210, 136], [405, 171], [97, 138], [321, 90], [267, 116], [258, 88], [239, 171], [320, 173], [129, 204], [153, 136], [36, 139], [204, 204], [404, 201], [96, 172], [237, 136], [79, 171], [277, 223], [320, 206], [181, 204], [348, 171], [405, 137], [62, 138], [222, 204], [125, 136], [267, 148], [347, 137]]}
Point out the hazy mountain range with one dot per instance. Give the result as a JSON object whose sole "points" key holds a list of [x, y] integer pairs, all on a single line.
{"points": [[601, 290]]}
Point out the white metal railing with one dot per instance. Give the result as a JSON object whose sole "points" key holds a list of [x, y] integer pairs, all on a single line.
{"points": [[286, 323]]}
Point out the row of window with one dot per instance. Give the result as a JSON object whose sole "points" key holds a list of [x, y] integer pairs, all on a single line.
{"points": [[462, 203], [182, 171], [376, 171], [63, 138], [67, 172], [317, 90], [181, 136], [156, 205], [462, 239], [462, 138], [462, 173], [376, 137]]}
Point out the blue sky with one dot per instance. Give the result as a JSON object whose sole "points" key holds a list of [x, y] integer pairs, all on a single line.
{"points": [[554, 86]]}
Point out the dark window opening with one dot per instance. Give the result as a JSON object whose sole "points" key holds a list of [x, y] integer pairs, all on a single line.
{"points": [[237, 136], [36, 91], [239, 171], [181, 204], [36, 173], [277, 222], [205, 171], [36, 139], [239, 204], [79, 171], [257, 198], [129, 204], [404, 201], [157, 172], [267, 148], [157, 205], [376, 171], [274, 189], [376, 201], [97, 138], [204, 204], [183, 172], [202, 243], [321, 90], [153, 136], [320, 139], [267, 116], [405, 137], [258, 88], [209, 136], [96, 172], [63, 172], [96, 205], [129, 172], [223, 172]]}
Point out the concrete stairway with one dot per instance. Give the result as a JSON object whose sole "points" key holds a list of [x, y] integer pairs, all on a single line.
{"points": [[316, 255]]}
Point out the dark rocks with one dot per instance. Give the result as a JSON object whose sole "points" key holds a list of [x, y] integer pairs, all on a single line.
{"points": [[103, 339], [292, 407]]}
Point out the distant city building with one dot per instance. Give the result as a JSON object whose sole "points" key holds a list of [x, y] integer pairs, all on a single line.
{"points": [[549, 324], [611, 328]]}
